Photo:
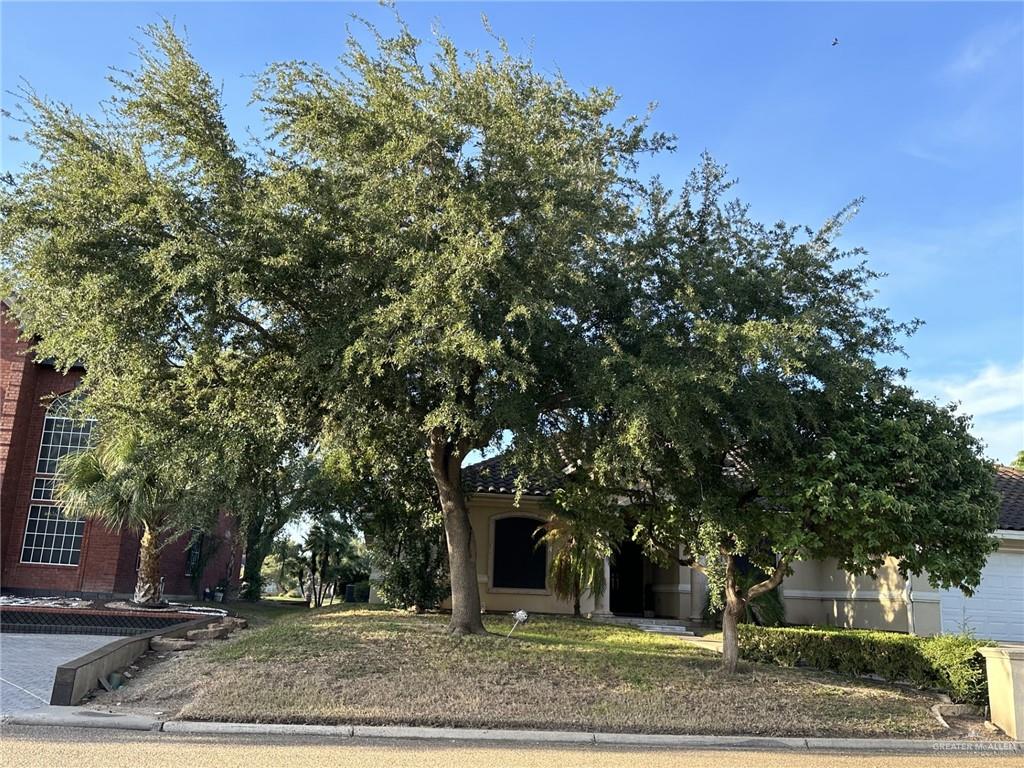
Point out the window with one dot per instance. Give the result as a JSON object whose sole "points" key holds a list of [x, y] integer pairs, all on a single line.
{"points": [[62, 434], [518, 562], [50, 537], [193, 553], [42, 489]]}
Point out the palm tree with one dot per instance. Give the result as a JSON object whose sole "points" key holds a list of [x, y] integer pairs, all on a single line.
{"points": [[326, 543], [117, 482], [577, 565]]}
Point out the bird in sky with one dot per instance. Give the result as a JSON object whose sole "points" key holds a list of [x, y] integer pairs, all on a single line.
{"points": [[835, 41]]}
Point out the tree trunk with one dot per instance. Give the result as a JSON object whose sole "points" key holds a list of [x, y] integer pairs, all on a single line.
{"points": [[445, 466], [256, 551], [734, 605], [577, 588], [730, 636], [147, 585]]}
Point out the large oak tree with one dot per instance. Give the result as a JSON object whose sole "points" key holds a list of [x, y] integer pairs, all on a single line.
{"points": [[416, 250]]}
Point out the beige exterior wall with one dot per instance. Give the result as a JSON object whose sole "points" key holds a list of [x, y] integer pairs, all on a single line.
{"points": [[484, 509], [678, 592], [817, 593], [820, 593], [671, 585]]}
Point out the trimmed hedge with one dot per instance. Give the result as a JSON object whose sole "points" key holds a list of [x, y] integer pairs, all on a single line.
{"points": [[950, 663]]}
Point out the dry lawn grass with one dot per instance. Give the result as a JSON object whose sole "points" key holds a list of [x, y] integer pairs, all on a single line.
{"points": [[368, 666]]}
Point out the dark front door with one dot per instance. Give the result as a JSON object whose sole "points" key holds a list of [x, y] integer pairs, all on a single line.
{"points": [[626, 592]]}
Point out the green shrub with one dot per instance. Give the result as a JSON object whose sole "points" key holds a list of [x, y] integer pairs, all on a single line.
{"points": [[961, 669], [950, 663]]}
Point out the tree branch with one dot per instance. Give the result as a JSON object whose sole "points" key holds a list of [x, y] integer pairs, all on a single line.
{"points": [[772, 581], [687, 561]]}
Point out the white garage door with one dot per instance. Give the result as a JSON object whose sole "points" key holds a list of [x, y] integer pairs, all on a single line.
{"points": [[996, 610]]}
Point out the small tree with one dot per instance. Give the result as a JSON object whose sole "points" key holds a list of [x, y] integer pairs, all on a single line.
{"points": [[352, 565], [124, 483], [405, 542], [579, 549], [1018, 462], [269, 494], [325, 547]]}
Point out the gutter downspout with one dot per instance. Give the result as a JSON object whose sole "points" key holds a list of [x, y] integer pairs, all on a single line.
{"points": [[908, 598]]}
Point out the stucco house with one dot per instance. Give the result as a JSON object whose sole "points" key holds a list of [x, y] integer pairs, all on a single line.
{"points": [[512, 573]]}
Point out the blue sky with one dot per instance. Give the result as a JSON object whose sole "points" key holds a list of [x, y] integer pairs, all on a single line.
{"points": [[919, 109]]}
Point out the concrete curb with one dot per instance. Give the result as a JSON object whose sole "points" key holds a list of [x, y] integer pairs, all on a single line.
{"points": [[83, 718], [77, 717], [199, 726]]}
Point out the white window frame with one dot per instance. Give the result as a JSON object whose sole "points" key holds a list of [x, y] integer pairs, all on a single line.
{"points": [[73, 434], [67, 530]]}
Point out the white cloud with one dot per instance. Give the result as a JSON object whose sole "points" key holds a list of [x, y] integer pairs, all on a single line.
{"points": [[994, 397], [980, 85], [982, 48]]}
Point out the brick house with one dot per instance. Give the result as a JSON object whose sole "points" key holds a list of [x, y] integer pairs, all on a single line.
{"points": [[44, 553]]}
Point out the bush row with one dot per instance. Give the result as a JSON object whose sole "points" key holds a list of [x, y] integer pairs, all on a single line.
{"points": [[950, 663]]}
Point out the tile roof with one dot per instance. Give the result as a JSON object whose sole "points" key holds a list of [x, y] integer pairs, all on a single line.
{"points": [[1010, 484], [497, 475]]}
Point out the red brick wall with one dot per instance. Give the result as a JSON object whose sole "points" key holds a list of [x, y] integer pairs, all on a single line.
{"points": [[223, 563], [108, 559], [17, 385], [26, 385]]}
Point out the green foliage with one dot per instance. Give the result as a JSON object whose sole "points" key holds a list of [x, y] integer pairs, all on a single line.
{"points": [[428, 249], [270, 573], [332, 555], [950, 663], [417, 250], [579, 544], [125, 479], [407, 549], [282, 563], [742, 410], [1018, 461]]}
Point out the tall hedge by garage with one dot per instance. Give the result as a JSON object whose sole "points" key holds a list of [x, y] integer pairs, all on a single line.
{"points": [[950, 663]]}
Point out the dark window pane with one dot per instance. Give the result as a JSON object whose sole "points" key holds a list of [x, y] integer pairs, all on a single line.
{"points": [[518, 562]]}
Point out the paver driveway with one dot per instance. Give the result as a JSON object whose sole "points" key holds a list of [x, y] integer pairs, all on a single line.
{"points": [[29, 662]]}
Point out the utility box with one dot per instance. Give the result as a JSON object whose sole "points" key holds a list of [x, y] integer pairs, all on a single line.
{"points": [[1004, 667]]}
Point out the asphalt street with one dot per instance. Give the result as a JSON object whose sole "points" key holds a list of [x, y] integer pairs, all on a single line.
{"points": [[39, 747]]}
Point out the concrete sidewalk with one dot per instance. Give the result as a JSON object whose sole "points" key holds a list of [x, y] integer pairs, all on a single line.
{"points": [[28, 662], [87, 718]]}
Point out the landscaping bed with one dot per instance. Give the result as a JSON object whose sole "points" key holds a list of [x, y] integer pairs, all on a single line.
{"points": [[360, 665], [947, 663]]}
